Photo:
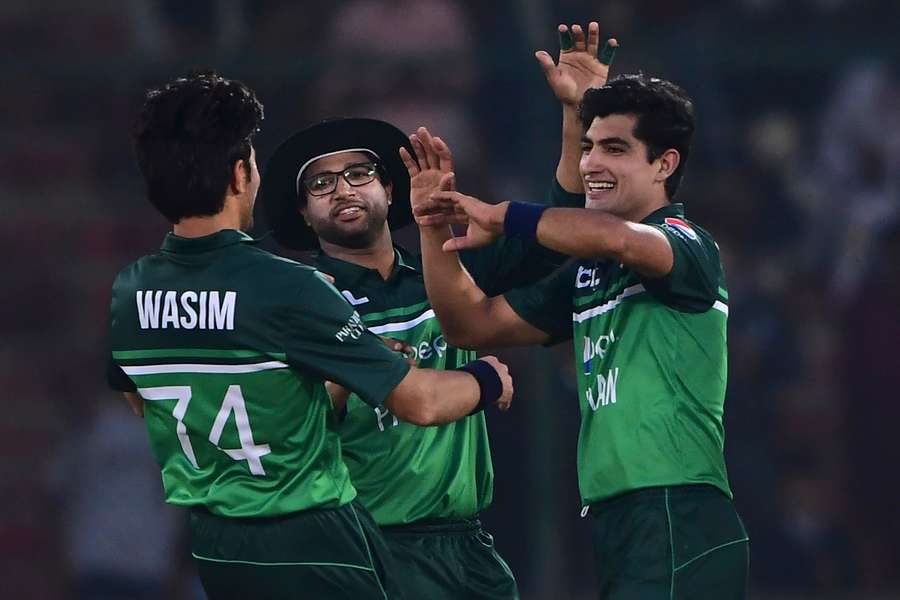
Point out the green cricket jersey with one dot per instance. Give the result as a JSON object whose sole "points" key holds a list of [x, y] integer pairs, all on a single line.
{"points": [[652, 362], [405, 473], [229, 346]]}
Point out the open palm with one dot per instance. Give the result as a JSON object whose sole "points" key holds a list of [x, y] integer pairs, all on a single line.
{"points": [[578, 68]]}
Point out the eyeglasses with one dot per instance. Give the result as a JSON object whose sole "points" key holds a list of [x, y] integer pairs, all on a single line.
{"points": [[325, 182]]}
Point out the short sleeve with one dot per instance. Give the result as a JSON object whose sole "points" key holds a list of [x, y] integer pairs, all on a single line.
{"points": [[325, 336], [693, 283], [547, 304]]}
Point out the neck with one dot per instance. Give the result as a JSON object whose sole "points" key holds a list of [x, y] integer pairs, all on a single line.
{"points": [[379, 255], [227, 218], [646, 210]]}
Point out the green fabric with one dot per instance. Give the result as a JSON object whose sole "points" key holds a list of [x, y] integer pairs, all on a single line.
{"points": [[325, 553], [651, 363], [670, 543], [405, 473], [235, 403], [455, 561]]}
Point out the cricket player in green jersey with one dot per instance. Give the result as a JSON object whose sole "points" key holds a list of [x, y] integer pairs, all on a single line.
{"points": [[225, 348], [341, 186], [646, 306]]}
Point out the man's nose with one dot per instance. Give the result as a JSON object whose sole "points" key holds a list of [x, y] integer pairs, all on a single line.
{"points": [[343, 189], [592, 161]]}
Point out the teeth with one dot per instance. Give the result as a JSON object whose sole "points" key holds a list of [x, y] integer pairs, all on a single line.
{"points": [[600, 185], [350, 210]]}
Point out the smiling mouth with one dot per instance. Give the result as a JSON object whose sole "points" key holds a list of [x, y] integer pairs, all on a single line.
{"points": [[348, 212], [599, 186]]}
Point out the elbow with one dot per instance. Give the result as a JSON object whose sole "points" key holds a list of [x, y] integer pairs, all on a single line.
{"points": [[463, 338], [420, 413]]}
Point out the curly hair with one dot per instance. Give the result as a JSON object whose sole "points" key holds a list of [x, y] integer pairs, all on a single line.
{"points": [[664, 116], [187, 137]]}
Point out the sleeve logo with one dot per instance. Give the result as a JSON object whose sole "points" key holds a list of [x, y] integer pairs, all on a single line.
{"points": [[352, 330], [680, 226]]}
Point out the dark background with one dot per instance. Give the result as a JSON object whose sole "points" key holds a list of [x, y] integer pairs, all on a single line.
{"points": [[795, 170]]}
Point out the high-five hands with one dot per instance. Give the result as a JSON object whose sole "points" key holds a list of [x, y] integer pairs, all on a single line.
{"points": [[579, 67], [432, 168]]}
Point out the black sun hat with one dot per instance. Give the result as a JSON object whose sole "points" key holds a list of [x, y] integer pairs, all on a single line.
{"points": [[281, 187]]}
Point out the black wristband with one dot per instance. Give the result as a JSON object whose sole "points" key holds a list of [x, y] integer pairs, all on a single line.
{"points": [[522, 219], [488, 382]]}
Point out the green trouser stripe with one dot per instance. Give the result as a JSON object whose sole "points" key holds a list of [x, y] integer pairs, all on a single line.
{"points": [[196, 353], [719, 547], [282, 564], [368, 552]]}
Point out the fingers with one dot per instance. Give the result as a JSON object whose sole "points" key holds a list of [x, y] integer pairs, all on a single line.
{"points": [[565, 39], [445, 157], [409, 162], [421, 154], [448, 182], [428, 143], [441, 220], [578, 37], [546, 62], [609, 51], [593, 38]]}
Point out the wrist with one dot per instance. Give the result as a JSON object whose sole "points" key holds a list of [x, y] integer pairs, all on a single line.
{"points": [[489, 384], [522, 219]]}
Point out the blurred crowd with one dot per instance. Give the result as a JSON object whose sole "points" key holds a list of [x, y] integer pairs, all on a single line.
{"points": [[795, 170]]}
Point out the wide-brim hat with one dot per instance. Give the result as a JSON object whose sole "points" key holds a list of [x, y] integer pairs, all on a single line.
{"points": [[279, 194]]}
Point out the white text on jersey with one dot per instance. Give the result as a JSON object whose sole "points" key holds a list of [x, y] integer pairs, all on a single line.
{"points": [[158, 309]]}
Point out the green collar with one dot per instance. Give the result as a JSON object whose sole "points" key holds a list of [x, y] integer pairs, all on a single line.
{"points": [[348, 273], [670, 210], [220, 239]]}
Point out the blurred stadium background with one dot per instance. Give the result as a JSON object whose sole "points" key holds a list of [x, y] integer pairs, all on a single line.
{"points": [[795, 169]]}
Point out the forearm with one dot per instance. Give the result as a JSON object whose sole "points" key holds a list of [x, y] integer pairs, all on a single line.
{"points": [[429, 397], [570, 153], [460, 305], [588, 233]]}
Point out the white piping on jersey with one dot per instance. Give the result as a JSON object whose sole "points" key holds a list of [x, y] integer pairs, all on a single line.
{"points": [[201, 368], [403, 326], [629, 291], [607, 306]]}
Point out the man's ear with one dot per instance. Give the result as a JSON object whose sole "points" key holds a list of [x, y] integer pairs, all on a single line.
{"points": [[240, 177], [668, 163], [302, 211], [389, 188]]}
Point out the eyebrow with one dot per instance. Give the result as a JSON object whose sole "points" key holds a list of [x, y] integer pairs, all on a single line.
{"points": [[605, 141], [342, 169]]}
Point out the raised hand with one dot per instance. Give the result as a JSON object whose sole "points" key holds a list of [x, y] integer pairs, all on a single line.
{"points": [[505, 399], [485, 221], [432, 164], [579, 68]]}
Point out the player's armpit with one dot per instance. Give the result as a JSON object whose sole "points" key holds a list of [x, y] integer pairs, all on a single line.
{"points": [[135, 402]]}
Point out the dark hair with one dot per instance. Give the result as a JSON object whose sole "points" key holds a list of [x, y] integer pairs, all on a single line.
{"points": [[188, 136], [664, 113]]}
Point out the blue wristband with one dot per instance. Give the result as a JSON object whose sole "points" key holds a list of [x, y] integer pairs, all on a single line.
{"points": [[488, 382], [522, 219]]}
